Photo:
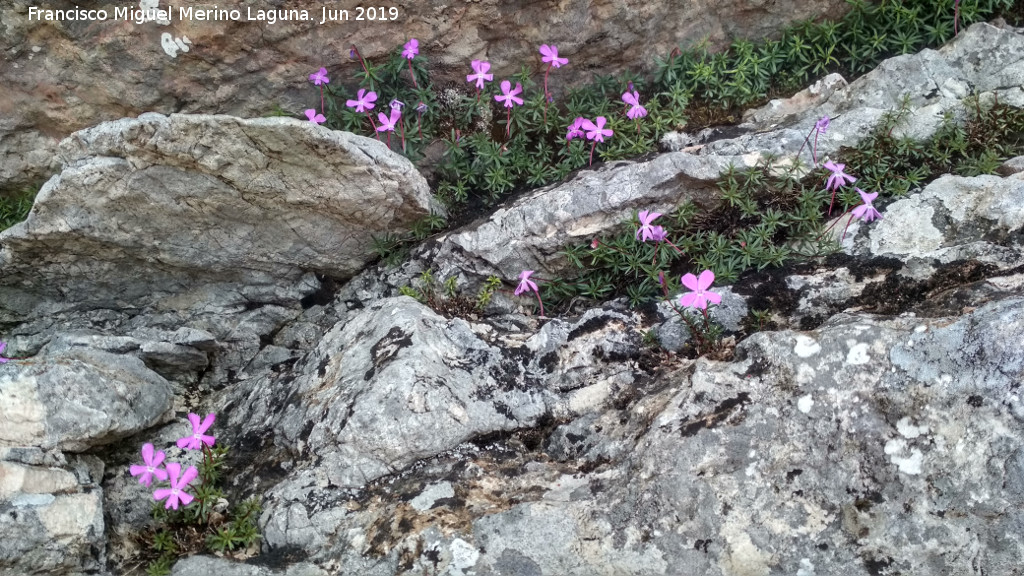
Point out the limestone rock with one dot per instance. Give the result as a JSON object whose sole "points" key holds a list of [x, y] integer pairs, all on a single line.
{"points": [[78, 398], [529, 233], [171, 210], [51, 519], [983, 59]]}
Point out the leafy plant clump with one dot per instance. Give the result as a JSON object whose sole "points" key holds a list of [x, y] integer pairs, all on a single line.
{"points": [[775, 214], [498, 141], [15, 207], [448, 301], [194, 517]]}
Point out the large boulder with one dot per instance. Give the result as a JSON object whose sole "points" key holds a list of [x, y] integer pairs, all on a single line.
{"points": [[200, 211]]}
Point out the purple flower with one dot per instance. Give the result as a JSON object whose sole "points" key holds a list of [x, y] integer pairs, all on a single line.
{"points": [[388, 124], [838, 177], [646, 232], [3, 345], [397, 104], [658, 234], [481, 68], [575, 129], [421, 107], [635, 109], [866, 211], [198, 438], [363, 102], [595, 130], [411, 49], [525, 284], [822, 125], [549, 54], [151, 468], [699, 297], [320, 77], [176, 493], [315, 117], [509, 95]]}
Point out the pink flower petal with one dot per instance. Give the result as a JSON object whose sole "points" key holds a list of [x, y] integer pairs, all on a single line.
{"points": [[187, 477], [690, 281], [707, 278], [207, 422]]}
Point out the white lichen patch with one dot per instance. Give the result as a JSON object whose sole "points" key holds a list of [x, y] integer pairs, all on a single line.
{"points": [[805, 403], [805, 374], [858, 353], [908, 465], [906, 229], [806, 346], [908, 430], [431, 494], [464, 557]]}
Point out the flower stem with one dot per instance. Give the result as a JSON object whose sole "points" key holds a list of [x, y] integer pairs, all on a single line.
{"points": [[322, 99], [832, 225], [546, 72], [806, 140], [592, 146], [508, 122], [363, 63], [539, 302], [403, 133], [417, 86], [374, 124]]}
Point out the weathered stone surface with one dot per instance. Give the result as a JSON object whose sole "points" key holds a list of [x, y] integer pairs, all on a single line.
{"points": [[206, 565], [383, 438], [443, 382], [59, 75], [814, 451], [529, 233], [983, 59], [172, 210], [75, 397], [51, 519], [955, 244]]}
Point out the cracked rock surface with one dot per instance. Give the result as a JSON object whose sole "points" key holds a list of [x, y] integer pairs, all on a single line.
{"points": [[874, 428]]}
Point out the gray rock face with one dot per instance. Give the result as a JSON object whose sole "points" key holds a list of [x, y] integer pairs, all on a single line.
{"points": [[529, 233], [384, 438], [171, 210], [936, 81], [443, 382], [51, 513], [79, 398], [59, 79]]}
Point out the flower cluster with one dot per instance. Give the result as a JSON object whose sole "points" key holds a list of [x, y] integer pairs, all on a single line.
{"points": [[172, 472], [594, 131], [838, 179]]}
